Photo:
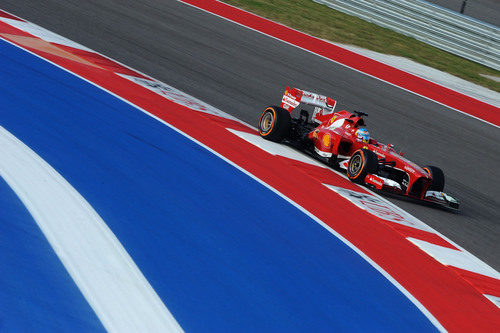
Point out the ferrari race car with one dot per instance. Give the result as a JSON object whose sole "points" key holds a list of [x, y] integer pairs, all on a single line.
{"points": [[339, 140]]}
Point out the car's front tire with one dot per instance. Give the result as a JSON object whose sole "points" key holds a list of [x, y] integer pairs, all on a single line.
{"points": [[437, 178], [361, 163], [275, 124]]}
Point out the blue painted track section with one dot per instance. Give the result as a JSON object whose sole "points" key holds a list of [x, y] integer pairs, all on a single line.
{"points": [[223, 252]]}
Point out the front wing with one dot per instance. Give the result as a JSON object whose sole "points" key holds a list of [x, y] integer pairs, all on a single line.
{"points": [[381, 184]]}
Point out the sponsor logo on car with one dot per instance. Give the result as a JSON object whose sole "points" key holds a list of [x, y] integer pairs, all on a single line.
{"points": [[409, 169], [290, 101], [376, 181], [327, 140]]}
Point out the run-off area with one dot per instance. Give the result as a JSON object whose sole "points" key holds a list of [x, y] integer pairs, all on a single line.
{"points": [[222, 251]]}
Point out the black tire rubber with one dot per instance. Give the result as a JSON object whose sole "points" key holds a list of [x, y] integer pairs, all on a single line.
{"points": [[361, 163], [437, 178], [333, 162], [275, 124]]}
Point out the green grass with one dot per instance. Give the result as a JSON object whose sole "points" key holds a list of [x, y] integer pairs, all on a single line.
{"points": [[326, 23]]}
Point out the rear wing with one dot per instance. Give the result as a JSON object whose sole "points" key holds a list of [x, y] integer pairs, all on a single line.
{"points": [[293, 97]]}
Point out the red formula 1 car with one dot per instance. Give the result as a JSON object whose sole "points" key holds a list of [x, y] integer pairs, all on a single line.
{"points": [[338, 139]]}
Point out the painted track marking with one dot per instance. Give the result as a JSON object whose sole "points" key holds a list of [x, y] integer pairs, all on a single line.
{"points": [[112, 283], [455, 258]]}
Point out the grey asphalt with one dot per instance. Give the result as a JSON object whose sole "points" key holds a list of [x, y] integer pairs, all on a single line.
{"points": [[241, 71], [483, 10]]}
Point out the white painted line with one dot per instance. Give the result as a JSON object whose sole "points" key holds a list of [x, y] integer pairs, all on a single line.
{"points": [[324, 57], [275, 148], [412, 298], [106, 275], [456, 258]]}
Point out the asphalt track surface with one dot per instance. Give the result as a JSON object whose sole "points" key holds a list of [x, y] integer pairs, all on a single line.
{"points": [[241, 71]]}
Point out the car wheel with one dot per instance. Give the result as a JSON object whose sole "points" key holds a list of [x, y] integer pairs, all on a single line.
{"points": [[275, 124], [437, 178], [361, 163]]}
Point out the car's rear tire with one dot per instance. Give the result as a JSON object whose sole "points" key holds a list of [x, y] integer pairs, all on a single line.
{"points": [[275, 124], [361, 163], [437, 178]]}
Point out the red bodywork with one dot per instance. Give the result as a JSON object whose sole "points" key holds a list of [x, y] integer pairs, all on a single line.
{"points": [[336, 136]]}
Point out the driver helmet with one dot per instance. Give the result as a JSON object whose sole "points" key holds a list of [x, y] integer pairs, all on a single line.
{"points": [[363, 135]]}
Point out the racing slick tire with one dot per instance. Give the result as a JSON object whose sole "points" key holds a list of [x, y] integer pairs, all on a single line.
{"points": [[275, 124], [437, 178], [361, 163]]}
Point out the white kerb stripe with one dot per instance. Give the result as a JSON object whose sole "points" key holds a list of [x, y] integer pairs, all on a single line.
{"points": [[107, 276], [456, 258], [275, 148], [43, 33], [494, 299]]}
